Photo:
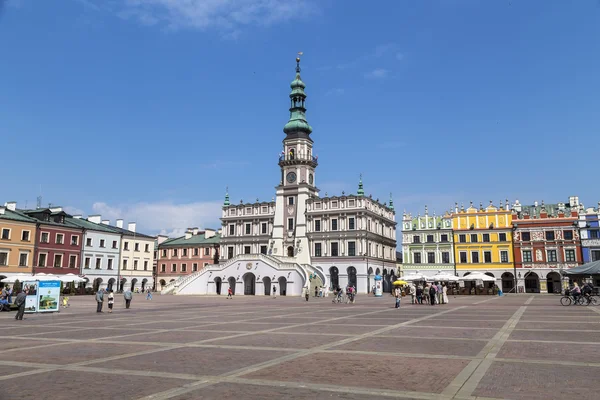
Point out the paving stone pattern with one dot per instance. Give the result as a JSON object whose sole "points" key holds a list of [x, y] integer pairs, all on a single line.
{"points": [[190, 347]]}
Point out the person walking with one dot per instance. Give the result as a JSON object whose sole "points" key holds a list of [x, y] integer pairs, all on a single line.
{"points": [[229, 293], [419, 294], [148, 294], [438, 292], [413, 291], [274, 292], [398, 294], [20, 302], [127, 295], [111, 301], [99, 300]]}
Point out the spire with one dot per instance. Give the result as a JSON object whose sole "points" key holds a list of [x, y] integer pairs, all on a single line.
{"points": [[226, 202], [297, 126], [361, 191], [391, 202]]}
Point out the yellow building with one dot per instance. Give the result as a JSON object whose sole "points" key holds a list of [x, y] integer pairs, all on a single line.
{"points": [[483, 241], [17, 241]]}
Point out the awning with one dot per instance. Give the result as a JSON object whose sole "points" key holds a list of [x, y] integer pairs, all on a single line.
{"points": [[592, 268]]}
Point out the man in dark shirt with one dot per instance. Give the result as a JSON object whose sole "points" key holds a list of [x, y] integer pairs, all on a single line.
{"points": [[20, 302]]}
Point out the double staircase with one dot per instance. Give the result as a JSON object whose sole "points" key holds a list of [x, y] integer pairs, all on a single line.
{"points": [[278, 263]]}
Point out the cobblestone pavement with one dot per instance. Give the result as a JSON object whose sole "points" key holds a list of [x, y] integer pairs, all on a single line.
{"points": [[191, 347]]}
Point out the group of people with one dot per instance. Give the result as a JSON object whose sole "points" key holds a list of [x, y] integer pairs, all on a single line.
{"points": [[110, 298], [424, 293], [6, 301], [586, 289]]}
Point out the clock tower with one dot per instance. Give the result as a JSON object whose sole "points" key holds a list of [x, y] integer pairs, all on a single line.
{"points": [[297, 182]]}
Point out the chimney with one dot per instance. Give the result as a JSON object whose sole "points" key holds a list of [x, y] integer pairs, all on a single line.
{"points": [[55, 209], [11, 205], [561, 214], [78, 216], [119, 223], [208, 233], [517, 206], [106, 222], [535, 203], [161, 238], [188, 235], [95, 218], [131, 226], [195, 231], [2, 210]]}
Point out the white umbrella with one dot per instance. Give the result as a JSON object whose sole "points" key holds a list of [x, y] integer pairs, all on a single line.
{"points": [[415, 277], [70, 278], [445, 278], [16, 277], [477, 276]]}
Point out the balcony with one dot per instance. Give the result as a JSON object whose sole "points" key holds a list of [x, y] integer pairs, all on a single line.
{"points": [[289, 159]]}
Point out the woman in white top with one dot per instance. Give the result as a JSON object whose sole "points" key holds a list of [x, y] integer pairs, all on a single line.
{"points": [[111, 301], [445, 293]]}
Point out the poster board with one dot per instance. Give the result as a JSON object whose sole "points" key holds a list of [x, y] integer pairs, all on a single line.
{"points": [[49, 296], [31, 301], [378, 286]]}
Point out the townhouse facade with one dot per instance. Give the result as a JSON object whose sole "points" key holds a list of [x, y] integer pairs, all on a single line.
{"points": [[483, 242], [187, 254], [101, 252], [58, 242], [589, 225], [137, 252], [17, 241], [546, 242], [427, 244]]}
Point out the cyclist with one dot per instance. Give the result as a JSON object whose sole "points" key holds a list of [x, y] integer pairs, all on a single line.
{"points": [[576, 292], [587, 290]]}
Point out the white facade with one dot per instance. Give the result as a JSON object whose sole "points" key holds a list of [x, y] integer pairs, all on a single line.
{"points": [[100, 258], [137, 253]]}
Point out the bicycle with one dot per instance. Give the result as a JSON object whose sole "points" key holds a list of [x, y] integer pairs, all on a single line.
{"points": [[569, 299], [589, 299]]}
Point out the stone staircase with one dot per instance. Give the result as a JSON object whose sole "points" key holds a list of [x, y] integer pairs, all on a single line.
{"points": [[275, 262]]}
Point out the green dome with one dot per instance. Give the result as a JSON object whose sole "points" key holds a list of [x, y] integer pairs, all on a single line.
{"points": [[297, 83], [296, 125]]}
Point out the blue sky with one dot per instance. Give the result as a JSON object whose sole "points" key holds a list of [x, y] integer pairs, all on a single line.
{"points": [[148, 109]]}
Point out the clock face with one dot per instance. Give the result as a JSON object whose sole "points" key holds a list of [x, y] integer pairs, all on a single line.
{"points": [[310, 179], [291, 177]]}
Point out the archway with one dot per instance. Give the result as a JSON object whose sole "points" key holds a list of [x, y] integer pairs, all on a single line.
{"points": [[352, 276], [133, 283], [282, 285], [231, 282], [144, 283], [334, 274], [110, 284], [532, 282], [489, 285], [162, 283], [218, 283], [369, 287], [290, 251], [97, 283], [508, 282], [267, 285], [249, 284], [553, 282], [122, 284]]}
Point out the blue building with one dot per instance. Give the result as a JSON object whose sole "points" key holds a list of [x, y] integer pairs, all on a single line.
{"points": [[589, 227]]}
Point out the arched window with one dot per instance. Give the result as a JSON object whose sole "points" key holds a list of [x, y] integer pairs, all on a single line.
{"points": [[292, 154], [352, 276]]}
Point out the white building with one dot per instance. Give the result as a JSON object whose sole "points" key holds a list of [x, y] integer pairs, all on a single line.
{"points": [[137, 258], [100, 253], [299, 240]]}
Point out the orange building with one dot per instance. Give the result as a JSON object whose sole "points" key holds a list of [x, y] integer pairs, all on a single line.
{"points": [[17, 241]]}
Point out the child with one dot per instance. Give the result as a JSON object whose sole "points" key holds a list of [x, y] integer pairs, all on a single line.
{"points": [[111, 301], [65, 301]]}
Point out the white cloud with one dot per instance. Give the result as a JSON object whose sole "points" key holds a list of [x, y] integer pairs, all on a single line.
{"points": [[226, 15], [377, 73], [73, 211], [162, 217]]}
